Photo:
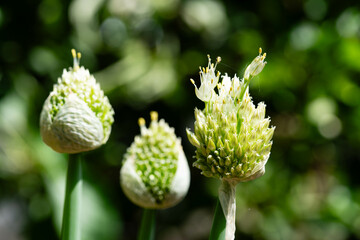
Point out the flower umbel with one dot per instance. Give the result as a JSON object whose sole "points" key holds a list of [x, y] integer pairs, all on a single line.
{"points": [[232, 137], [155, 173], [76, 116]]}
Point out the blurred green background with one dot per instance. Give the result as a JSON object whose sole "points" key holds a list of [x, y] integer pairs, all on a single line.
{"points": [[143, 53]]}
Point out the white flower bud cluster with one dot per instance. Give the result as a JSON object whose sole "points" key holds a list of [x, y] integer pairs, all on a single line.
{"points": [[76, 116]]}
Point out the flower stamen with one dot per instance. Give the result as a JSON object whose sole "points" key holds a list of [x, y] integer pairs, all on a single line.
{"points": [[76, 56]]}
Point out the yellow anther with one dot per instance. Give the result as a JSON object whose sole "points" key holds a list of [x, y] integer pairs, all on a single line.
{"points": [[218, 74], [263, 56], [73, 52], [212, 81], [260, 51], [192, 81], [141, 122], [154, 115], [76, 57], [218, 59]]}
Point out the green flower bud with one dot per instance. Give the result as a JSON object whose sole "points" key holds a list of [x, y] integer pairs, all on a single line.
{"points": [[155, 172], [76, 116]]}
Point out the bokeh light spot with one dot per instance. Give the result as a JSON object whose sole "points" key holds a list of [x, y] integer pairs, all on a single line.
{"points": [[129, 7], [42, 60], [113, 32], [50, 11], [321, 112], [348, 53], [315, 9], [319, 109], [304, 36], [208, 16], [331, 127], [348, 24]]}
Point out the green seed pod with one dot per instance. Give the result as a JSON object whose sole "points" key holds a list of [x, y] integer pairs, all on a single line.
{"points": [[155, 172], [76, 116]]}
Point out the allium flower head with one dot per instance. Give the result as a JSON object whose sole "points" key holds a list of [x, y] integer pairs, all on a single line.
{"points": [[155, 173], [76, 116], [232, 136]]}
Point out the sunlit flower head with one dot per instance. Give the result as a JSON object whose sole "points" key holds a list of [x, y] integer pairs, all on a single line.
{"points": [[232, 135], [76, 116]]}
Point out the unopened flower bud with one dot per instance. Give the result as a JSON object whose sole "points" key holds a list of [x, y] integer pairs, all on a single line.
{"points": [[256, 66], [76, 116], [155, 172]]}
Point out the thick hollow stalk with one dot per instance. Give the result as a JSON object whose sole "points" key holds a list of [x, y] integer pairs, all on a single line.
{"points": [[71, 217], [227, 199], [147, 228]]}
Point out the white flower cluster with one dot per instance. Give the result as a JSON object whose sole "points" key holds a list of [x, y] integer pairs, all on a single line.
{"points": [[231, 90], [232, 137]]}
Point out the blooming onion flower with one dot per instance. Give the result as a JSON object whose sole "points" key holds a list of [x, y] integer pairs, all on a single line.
{"points": [[76, 116], [232, 137], [155, 173]]}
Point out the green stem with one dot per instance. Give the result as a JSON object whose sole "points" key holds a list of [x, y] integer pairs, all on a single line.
{"points": [[247, 83], [71, 216], [147, 228], [219, 224]]}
